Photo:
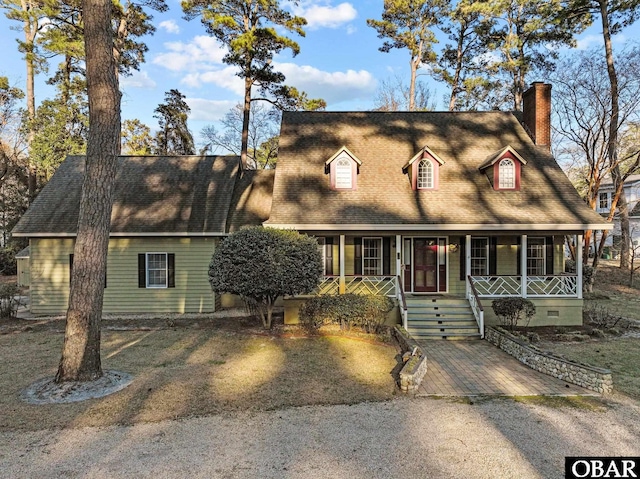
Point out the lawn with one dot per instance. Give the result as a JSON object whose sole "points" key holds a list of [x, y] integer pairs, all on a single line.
{"points": [[182, 372], [620, 354]]}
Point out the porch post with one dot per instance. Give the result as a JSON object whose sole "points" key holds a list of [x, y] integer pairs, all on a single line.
{"points": [[342, 286], [399, 256], [523, 266], [467, 261], [579, 265]]}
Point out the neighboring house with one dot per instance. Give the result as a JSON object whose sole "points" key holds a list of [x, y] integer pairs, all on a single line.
{"points": [[444, 211], [631, 191], [168, 215]]}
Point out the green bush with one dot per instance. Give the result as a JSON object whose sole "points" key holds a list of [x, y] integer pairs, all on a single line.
{"points": [[8, 262], [366, 311], [261, 264], [511, 311], [9, 300]]}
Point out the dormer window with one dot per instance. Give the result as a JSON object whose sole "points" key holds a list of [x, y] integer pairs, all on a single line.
{"points": [[503, 169], [507, 174], [344, 179], [425, 174], [342, 168], [423, 170]]}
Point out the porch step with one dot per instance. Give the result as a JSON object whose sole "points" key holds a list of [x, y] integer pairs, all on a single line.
{"points": [[441, 318]]}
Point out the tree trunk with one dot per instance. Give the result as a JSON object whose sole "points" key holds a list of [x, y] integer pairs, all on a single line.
{"points": [[81, 351], [612, 146], [246, 112], [455, 87], [30, 31], [415, 61]]}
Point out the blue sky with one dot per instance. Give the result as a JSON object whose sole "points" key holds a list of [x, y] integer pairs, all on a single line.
{"points": [[338, 61]]}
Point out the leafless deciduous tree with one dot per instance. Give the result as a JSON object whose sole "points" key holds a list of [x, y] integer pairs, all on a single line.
{"points": [[582, 104]]}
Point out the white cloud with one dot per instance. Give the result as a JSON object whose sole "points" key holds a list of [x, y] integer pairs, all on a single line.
{"points": [[208, 110], [593, 40], [199, 54], [170, 26], [326, 16], [333, 87], [222, 77], [139, 79]]}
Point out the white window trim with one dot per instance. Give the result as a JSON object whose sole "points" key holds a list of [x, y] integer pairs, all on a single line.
{"points": [[428, 186], [486, 252], [544, 254], [381, 258], [501, 185], [166, 269]]}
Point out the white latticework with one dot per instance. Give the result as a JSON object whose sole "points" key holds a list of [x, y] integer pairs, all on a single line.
{"points": [[557, 286], [384, 285], [329, 285], [497, 285]]}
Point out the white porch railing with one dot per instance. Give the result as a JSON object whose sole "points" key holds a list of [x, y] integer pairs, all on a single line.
{"points": [[476, 306], [385, 285], [562, 286]]}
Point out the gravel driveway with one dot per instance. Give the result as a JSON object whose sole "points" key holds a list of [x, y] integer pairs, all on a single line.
{"points": [[418, 438]]}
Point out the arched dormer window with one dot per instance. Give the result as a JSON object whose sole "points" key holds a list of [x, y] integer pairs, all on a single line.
{"points": [[507, 174], [343, 169], [344, 174], [425, 174]]}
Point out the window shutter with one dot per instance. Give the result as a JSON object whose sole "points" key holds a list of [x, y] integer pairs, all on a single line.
{"points": [[142, 270], [548, 241], [328, 255], [463, 258], [493, 255], [70, 266], [357, 255], [386, 256], [171, 270], [519, 256]]}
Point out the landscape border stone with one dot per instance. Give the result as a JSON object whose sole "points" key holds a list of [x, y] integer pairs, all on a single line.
{"points": [[414, 370], [583, 375]]}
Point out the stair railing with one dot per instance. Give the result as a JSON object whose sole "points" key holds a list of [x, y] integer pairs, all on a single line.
{"points": [[476, 306], [402, 300]]}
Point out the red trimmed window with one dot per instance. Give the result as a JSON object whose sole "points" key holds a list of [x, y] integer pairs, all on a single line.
{"points": [[344, 173], [425, 174], [506, 173]]}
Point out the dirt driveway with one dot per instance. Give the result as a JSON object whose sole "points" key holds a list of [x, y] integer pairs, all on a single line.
{"points": [[419, 438]]}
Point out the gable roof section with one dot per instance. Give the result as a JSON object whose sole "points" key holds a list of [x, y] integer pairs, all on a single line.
{"points": [[492, 159], [153, 195], [344, 149], [419, 155], [385, 141]]}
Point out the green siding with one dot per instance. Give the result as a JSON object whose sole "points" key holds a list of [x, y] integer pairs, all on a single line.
{"points": [[192, 294]]}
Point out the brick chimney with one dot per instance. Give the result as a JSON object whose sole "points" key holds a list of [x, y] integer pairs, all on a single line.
{"points": [[536, 113]]}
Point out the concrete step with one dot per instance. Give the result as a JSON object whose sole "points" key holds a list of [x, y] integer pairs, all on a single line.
{"points": [[436, 301], [453, 323], [447, 336], [439, 310]]}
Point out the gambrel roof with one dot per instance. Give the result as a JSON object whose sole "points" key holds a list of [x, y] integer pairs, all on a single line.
{"points": [[385, 142]]}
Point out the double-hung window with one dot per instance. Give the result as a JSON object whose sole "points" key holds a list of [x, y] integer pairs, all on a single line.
{"points": [[371, 256], [344, 174], [507, 174], [479, 256], [425, 174], [604, 201], [157, 270], [536, 257]]}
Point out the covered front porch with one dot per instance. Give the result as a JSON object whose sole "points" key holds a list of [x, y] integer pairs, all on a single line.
{"points": [[473, 267]]}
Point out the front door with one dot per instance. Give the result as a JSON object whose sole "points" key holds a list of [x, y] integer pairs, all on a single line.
{"points": [[425, 265]]}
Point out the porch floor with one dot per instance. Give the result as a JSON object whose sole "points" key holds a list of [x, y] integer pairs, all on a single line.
{"points": [[475, 368]]}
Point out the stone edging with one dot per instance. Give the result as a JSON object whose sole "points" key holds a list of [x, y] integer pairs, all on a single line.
{"points": [[415, 368], [589, 377]]}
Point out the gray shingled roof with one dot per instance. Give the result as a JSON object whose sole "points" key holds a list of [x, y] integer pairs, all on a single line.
{"points": [[153, 194], [385, 141], [251, 202]]}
